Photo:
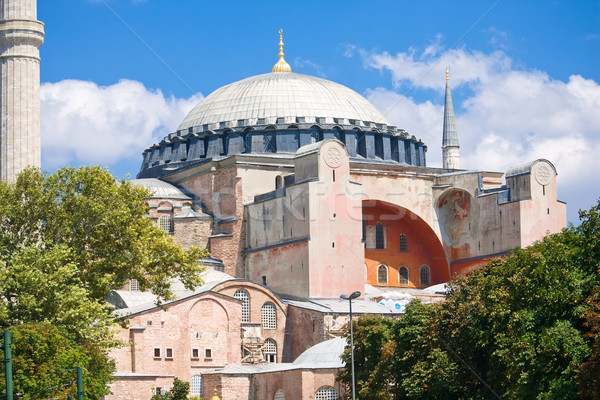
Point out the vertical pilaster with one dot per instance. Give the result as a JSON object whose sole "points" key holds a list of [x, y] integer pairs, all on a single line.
{"points": [[21, 36]]}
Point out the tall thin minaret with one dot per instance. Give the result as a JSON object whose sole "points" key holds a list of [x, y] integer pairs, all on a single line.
{"points": [[450, 138], [21, 36]]}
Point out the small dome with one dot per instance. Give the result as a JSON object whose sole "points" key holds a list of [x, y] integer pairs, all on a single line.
{"points": [[280, 95], [160, 189]]}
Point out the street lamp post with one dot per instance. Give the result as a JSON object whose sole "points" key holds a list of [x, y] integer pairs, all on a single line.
{"points": [[350, 298]]}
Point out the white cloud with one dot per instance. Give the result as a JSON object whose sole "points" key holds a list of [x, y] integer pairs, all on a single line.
{"points": [[509, 116], [90, 124]]}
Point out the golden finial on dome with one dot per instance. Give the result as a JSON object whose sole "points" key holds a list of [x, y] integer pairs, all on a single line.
{"points": [[281, 65], [447, 73]]}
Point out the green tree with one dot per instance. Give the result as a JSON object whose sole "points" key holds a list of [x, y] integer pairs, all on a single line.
{"points": [[44, 361], [523, 327], [179, 391], [66, 240]]}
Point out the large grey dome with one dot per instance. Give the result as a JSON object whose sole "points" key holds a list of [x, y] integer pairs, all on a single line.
{"points": [[285, 97]]}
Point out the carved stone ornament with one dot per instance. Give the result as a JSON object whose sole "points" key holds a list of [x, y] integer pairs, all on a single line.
{"points": [[333, 156], [543, 175]]}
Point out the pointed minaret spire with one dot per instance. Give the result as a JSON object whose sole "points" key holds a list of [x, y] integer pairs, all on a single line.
{"points": [[450, 138]]}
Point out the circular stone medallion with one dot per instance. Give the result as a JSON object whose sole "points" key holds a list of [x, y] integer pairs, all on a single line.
{"points": [[543, 175], [333, 156]]}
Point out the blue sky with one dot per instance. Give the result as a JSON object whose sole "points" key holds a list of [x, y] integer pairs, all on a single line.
{"points": [[118, 75]]}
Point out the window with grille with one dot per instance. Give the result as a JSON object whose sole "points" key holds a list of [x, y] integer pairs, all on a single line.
{"points": [[166, 223], [207, 354], [403, 246], [248, 143], [382, 274], [196, 385], [245, 299], [379, 236], [169, 353], [403, 275], [156, 352], [270, 351], [425, 275], [326, 393], [134, 285], [268, 316], [279, 395]]}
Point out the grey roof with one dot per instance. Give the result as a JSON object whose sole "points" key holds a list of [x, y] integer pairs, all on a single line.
{"points": [[525, 168], [339, 306], [276, 95], [450, 135], [188, 212], [160, 189], [211, 279], [128, 298], [324, 355]]}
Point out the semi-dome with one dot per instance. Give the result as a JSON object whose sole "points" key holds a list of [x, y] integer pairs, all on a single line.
{"points": [[284, 97]]}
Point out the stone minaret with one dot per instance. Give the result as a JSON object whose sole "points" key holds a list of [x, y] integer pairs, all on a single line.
{"points": [[450, 138], [21, 36]]}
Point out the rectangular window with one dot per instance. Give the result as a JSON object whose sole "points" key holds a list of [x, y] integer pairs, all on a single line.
{"points": [[169, 353], [195, 354], [157, 352], [207, 354]]}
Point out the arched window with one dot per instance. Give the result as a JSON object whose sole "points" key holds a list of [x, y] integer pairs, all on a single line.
{"points": [[270, 351], [242, 295], [403, 275], [248, 141], [196, 385], [382, 274], [268, 316], [326, 393], [134, 285], [279, 395], [269, 141], [165, 222], [379, 236], [425, 275], [315, 135], [278, 182], [403, 245]]}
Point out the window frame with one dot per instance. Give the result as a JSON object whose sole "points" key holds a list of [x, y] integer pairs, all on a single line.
{"points": [[387, 275], [245, 303], [157, 353], [422, 270], [268, 321], [400, 282], [403, 243]]}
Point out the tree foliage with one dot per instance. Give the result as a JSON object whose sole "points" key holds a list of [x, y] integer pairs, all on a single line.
{"points": [[44, 360], [179, 391], [66, 240], [523, 327]]}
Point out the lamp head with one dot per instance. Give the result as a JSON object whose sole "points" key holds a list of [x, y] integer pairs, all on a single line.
{"points": [[350, 297]]}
